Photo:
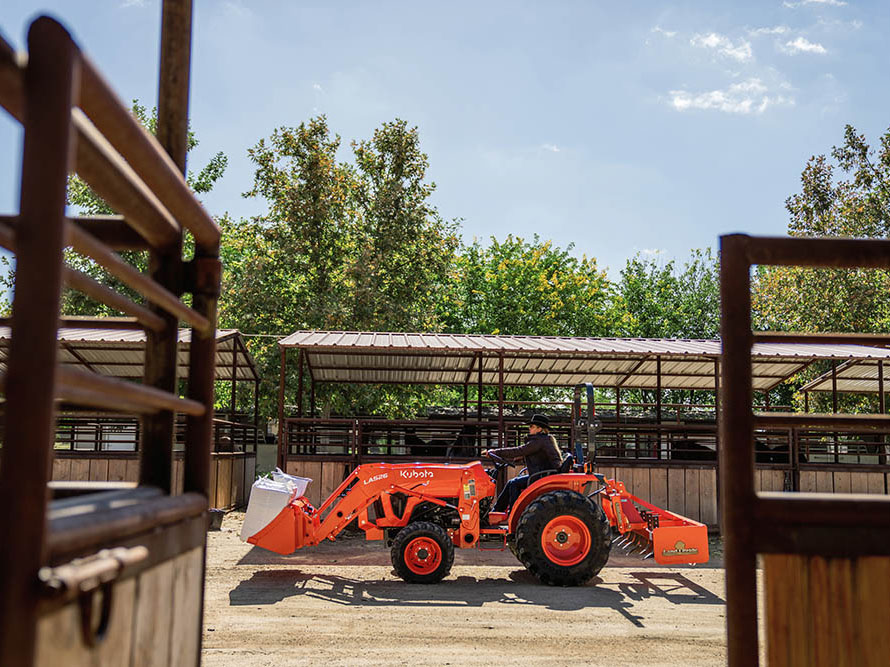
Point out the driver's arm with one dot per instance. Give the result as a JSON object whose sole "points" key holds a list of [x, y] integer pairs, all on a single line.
{"points": [[514, 453]]}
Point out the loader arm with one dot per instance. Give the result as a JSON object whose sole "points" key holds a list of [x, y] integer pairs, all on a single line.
{"points": [[300, 524]]}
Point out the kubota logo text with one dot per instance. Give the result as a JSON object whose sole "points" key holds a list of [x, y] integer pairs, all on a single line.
{"points": [[680, 549], [415, 474], [376, 478]]}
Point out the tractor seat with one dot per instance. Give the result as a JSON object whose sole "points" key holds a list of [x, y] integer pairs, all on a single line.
{"points": [[564, 467]]}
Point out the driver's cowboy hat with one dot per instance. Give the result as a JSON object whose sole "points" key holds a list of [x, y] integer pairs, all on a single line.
{"points": [[539, 420]]}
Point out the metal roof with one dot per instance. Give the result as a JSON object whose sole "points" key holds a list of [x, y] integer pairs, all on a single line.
{"points": [[121, 353], [430, 358], [855, 376]]}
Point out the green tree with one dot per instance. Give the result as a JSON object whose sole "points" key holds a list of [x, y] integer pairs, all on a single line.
{"points": [[404, 247], [342, 246], [847, 196], [86, 202], [516, 287], [663, 301], [855, 204]]}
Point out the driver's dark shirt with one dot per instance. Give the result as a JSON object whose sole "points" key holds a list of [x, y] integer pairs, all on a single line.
{"points": [[540, 451]]}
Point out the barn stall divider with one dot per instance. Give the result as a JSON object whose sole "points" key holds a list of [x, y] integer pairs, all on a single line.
{"points": [[106, 575]]}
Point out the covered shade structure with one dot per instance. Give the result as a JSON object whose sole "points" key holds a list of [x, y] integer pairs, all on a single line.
{"points": [[633, 363]]}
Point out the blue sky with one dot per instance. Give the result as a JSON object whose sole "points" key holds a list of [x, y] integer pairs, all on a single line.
{"points": [[621, 127]]}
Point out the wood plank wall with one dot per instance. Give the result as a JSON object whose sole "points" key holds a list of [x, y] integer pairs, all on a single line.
{"points": [[325, 475], [690, 492], [231, 474], [827, 611]]}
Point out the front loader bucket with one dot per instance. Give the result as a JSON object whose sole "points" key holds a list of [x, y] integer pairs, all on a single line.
{"points": [[285, 533]]}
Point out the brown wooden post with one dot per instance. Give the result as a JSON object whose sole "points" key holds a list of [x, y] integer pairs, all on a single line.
{"points": [[479, 395], [736, 452], [234, 391], [882, 407], [717, 441], [658, 402], [834, 405], [28, 448], [282, 431], [501, 434], [466, 397], [311, 395], [300, 357], [806, 401], [165, 264]]}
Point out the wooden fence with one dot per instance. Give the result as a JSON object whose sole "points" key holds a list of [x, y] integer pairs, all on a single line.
{"points": [[231, 473]]}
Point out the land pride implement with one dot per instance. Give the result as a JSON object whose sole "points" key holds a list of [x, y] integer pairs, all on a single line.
{"points": [[562, 527]]}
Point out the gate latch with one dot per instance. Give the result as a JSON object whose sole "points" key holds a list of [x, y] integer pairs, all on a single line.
{"points": [[85, 576]]}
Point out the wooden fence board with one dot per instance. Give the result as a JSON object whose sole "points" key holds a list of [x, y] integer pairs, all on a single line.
{"points": [[98, 470], [824, 481], [132, 470], [842, 482], [641, 483], [707, 481], [872, 582], [313, 471], [117, 470], [677, 490], [188, 579], [214, 472], [876, 482], [693, 500], [858, 482], [224, 482], [61, 468], [658, 487], [80, 470], [238, 482], [153, 616], [807, 481]]}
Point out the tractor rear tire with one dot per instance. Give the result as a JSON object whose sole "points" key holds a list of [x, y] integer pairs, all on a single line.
{"points": [[422, 553], [563, 538]]}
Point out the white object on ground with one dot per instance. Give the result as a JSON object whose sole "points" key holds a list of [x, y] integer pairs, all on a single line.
{"points": [[268, 497]]}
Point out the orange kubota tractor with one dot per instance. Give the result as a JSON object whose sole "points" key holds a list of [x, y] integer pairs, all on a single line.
{"points": [[561, 528]]}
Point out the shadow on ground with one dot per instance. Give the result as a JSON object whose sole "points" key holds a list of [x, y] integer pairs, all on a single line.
{"points": [[521, 588]]}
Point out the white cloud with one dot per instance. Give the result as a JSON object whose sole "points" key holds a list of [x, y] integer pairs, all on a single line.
{"points": [[652, 251], [750, 96], [132, 3], [775, 30], [666, 33], [317, 86], [831, 3], [740, 51], [550, 147], [803, 45]]}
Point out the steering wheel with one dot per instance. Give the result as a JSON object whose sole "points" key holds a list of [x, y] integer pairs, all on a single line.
{"points": [[499, 464]]}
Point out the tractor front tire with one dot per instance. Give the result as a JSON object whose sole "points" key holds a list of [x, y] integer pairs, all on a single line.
{"points": [[422, 553], [563, 538]]}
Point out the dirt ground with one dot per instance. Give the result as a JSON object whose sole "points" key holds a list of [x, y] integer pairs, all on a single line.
{"points": [[341, 604]]}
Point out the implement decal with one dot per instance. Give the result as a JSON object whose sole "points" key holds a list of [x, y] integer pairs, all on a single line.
{"points": [[680, 549]]}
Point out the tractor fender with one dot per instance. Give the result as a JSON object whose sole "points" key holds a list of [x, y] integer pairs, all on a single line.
{"points": [[567, 481]]}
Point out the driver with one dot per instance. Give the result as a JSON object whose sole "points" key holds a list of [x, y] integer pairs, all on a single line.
{"points": [[541, 453]]}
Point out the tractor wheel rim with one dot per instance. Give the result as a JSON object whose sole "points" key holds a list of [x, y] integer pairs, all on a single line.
{"points": [[423, 555], [566, 540]]}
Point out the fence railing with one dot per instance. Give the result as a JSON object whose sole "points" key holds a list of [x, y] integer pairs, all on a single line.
{"points": [[627, 444], [95, 433]]}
